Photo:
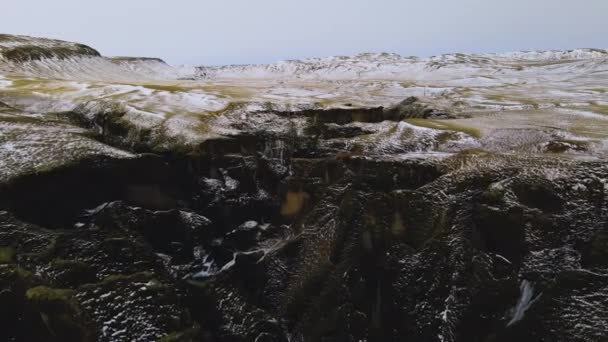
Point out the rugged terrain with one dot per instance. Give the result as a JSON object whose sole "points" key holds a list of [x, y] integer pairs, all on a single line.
{"points": [[367, 198]]}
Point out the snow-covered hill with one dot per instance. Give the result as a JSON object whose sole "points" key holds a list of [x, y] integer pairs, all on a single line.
{"points": [[55, 59], [393, 66], [509, 98]]}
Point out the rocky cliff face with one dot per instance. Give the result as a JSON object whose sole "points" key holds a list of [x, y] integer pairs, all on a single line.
{"points": [[280, 222]]}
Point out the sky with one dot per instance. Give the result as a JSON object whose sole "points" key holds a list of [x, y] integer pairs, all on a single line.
{"points": [[205, 32]]}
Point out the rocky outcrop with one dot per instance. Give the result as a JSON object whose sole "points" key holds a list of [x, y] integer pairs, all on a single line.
{"points": [[285, 234], [292, 202]]}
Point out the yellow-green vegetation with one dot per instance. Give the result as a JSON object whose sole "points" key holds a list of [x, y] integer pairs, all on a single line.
{"points": [[464, 92], [506, 98], [494, 194], [600, 90], [223, 91], [231, 106], [45, 296], [407, 84], [34, 87], [324, 102], [205, 118], [202, 285], [167, 87], [600, 109], [294, 203], [472, 152], [446, 136], [496, 97], [60, 312], [7, 255], [445, 125], [528, 102], [26, 82]]}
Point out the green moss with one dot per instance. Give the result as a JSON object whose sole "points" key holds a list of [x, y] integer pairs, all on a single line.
{"points": [[407, 84], [445, 137], [445, 125], [46, 296], [7, 255], [494, 194], [60, 313]]}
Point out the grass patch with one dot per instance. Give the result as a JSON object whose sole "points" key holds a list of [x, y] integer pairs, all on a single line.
{"points": [[169, 88], [501, 99], [235, 92], [445, 125], [407, 84], [45, 294], [495, 97], [324, 102], [529, 102], [600, 109], [465, 92], [26, 82]]}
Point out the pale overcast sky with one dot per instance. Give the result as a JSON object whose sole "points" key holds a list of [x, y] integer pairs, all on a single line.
{"points": [[260, 31]]}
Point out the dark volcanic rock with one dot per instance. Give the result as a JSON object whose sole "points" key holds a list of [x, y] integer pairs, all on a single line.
{"points": [[276, 237]]}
